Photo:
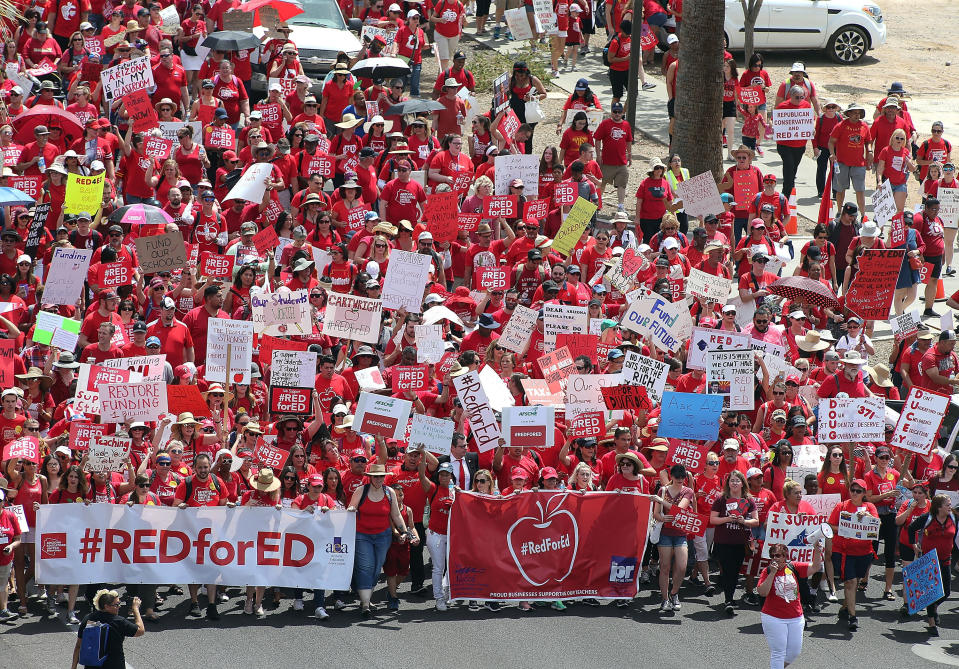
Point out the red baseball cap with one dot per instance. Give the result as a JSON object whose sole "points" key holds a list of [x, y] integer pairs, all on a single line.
{"points": [[546, 473], [519, 473], [861, 483], [315, 479]]}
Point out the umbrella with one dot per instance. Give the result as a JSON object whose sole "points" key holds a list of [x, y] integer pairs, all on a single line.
{"points": [[140, 214], [285, 9], [385, 68], [11, 196], [806, 290], [413, 107], [231, 40], [49, 116]]}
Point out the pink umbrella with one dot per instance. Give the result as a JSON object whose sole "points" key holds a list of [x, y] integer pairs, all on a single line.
{"points": [[140, 214], [285, 8], [49, 116]]}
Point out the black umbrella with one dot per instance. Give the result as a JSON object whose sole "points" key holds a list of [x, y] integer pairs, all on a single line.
{"points": [[231, 40], [385, 68], [413, 107], [231, 177]]}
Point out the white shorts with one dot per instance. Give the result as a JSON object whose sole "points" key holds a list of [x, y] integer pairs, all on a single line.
{"points": [[445, 46]]}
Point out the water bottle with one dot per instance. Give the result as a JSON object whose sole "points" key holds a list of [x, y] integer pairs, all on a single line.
{"points": [[42, 164], [452, 487]]}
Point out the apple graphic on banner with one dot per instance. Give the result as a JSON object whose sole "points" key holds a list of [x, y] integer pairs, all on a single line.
{"points": [[352, 315], [544, 548], [238, 377]]}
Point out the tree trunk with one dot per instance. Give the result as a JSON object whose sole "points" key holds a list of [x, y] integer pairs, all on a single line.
{"points": [[750, 14], [699, 88]]}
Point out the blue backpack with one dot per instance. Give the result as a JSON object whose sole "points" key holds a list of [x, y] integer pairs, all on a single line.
{"points": [[93, 644]]}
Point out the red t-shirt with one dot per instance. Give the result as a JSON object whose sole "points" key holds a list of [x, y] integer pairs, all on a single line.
{"points": [[783, 599], [616, 138], [851, 546], [851, 142], [895, 166], [202, 494]]}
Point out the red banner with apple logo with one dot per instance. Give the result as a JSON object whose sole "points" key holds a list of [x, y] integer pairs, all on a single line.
{"points": [[547, 545]]}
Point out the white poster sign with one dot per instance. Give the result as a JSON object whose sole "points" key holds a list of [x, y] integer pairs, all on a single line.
{"points": [[529, 427], [108, 454], [149, 366], [949, 207], [883, 203], [430, 346], [666, 324], [293, 369], [852, 419], [252, 183], [519, 328], [120, 402], [497, 392], [707, 339], [700, 195], [68, 271], [382, 415], [852, 527], [920, 420], [223, 333], [638, 370], [708, 287], [517, 166], [794, 124], [432, 434], [562, 318], [484, 427], [353, 317], [791, 530], [730, 374], [518, 23], [406, 278], [126, 77], [285, 312]]}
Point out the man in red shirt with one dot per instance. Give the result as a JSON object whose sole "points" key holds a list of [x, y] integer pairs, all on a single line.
{"points": [[170, 80], [888, 123], [849, 149], [614, 141], [176, 340], [197, 320], [940, 364], [138, 345], [37, 155], [202, 489], [850, 381], [482, 337], [330, 385], [106, 312], [104, 349], [449, 120], [11, 423], [402, 198]]}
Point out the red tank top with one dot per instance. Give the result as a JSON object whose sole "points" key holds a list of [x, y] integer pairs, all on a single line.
{"points": [[190, 166], [373, 517], [27, 494]]}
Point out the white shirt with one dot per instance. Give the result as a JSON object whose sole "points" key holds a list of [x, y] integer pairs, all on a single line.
{"points": [[462, 485]]}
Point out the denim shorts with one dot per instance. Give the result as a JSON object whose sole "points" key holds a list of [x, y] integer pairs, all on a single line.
{"points": [[671, 542], [900, 188]]}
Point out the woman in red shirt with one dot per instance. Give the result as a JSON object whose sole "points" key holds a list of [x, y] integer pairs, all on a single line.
{"points": [[653, 198], [936, 531], [782, 614], [137, 168], [881, 483], [441, 496], [575, 136], [894, 162], [447, 17], [337, 94], [730, 91]]}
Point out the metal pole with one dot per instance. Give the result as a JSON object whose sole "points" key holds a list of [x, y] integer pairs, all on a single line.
{"points": [[635, 53]]}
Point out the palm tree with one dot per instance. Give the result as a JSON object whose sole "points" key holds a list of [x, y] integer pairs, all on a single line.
{"points": [[699, 87]]}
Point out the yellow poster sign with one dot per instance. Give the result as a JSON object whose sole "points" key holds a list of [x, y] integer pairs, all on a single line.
{"points": [[83, 194], [572, 229]]}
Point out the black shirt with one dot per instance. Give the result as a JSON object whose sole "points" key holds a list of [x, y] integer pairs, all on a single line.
{"points": [[119, 628]]}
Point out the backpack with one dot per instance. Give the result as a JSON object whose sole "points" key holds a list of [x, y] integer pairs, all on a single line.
{"points": [[93, 644], [189, 487], [366, 492], [606, 50]]}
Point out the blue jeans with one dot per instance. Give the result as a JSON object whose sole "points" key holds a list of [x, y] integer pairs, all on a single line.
{"points": [[413, 80], [133, 199], [370, 556]]}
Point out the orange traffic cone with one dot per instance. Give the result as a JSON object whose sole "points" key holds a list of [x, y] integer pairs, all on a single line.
{"points": [[940, 291], [792, 224]]}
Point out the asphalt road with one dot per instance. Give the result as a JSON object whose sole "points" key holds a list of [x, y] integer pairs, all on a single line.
{"points": [[581, 636]]}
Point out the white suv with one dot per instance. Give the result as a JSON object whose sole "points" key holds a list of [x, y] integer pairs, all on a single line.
{"points": [[844, 28]]}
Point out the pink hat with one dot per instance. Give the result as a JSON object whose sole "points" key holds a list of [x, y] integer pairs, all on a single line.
{"points": [[315, 479], [519, 473]]}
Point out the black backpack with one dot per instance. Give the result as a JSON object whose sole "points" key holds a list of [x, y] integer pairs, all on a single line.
{"points": [[606, 50]]}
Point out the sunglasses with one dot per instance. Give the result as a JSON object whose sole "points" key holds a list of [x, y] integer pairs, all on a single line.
{"points": [[143, 485], [857, 491], [163, 463]]}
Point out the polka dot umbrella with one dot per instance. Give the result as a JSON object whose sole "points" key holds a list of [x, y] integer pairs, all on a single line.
{"points": [[806, 290]]}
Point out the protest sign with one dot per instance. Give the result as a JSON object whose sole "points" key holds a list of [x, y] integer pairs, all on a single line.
{"points": [[141, 111], [949, 207], [920, 420], [794, 124], [851, 527], [269, 455], [539, 393], [690, 522], [594, 117], [440, 215], [897, 233], [383, 416], [430, 346], [922, 582], [638, 370], [126, 76], [113, 274], [255, 546], [561, 318], [667, 325], [751, 95], [564, 195], [745, 187], [823, 504], [517, 166], [690, 416], [406, 277], [572, 228], [87, 402], [40, 213], [431, 434], [586, 424], [168, 129], [883, 203], [294, 369], [626, 398], [295, 401], [519, 328], [793, 531], [410, 377], [225, 334], [497, 392], [493, 278], [529, 426], [730, 375], [48, 324], [219, 137], [710, 288], [120, 402], [687, 453], [238, 19], [556, 366], [871, 292], [500, 206], [285, 312], [186, 398], [108, 454], [544, 17], [8, 349], [851, 419], [149, 367], [83, 193], [584, 392], [622, 271], [501, 92], [268, 344], [161, 253], [518, 24], [468, 222], [353, 317], [252, 183], [905, 324], [485, 429], [29, 184], [535, 210], [216, 266], [23, 448], [580, 344]]}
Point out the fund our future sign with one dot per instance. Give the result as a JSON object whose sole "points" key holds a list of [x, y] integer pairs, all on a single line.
{"points": [[652, 316], [920, 420]]}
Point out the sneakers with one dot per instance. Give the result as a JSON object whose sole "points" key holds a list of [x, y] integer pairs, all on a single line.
{"points": [[339, 605], [260, 613], [496, 32], [42, 595], [297, 604], [212, 613], [194, 608], [248, 608], [759, 150], [649, 85], [558, 606], [674, 600], [392, 603], [844, 613], [933, 630], [441, 605], [418, 590], [7, 616], [62, 598], [644, 575], [929, 313], [321, 613], [730, 609], [491, 606], [523, 606], [950, 271], [474, 605], [666, 606], [72, 618], [853, 623], [832, 597], [590, 602], [623, 603], [710, 590], [223, 598], [751, 599]]}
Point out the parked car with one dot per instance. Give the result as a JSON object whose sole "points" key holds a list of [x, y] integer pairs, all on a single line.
{"points": [[845, 29], [319, 33]]}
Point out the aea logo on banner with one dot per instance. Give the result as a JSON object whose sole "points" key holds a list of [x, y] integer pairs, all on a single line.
{"points": [[554, 531], [622, 569], [337, 546]]}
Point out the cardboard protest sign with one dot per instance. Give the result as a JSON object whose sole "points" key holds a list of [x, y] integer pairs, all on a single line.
{"points": [[406, 279], [238, 19], [383, 416], [500, 206], [149, 367], [294, 369], [573, 225], [562, 318], [871, 292], [639, 370], [625, 398], [730, 374], [792, 530], [794, 124], [851, 419], [126, 77], [108, 454], [186, 398], [431, 434], [285, 312], [586, 424], [529, 427], [519, 328], [216, 266], [518, 24], [353, 317], [83, 193], [237, 336], [161, 253], [920, 420], [851, 527], [484, 428], [440, 215], [556, 366], [690, 522], [905, 325], [708, 287], [410, 377], [295, 401], [584, 392], [269, 455], [883, 203], [517, 166], [689, 454], [690, 416], [949, 207], [120, 402], [667, 325], [539, 393], [922, 581]]}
